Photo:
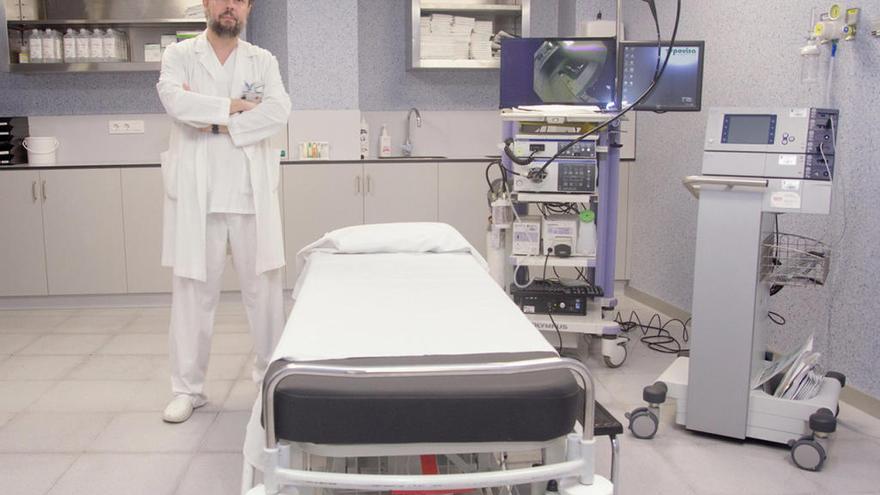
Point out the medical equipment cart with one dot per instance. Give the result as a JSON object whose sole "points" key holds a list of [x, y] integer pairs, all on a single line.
{"points": [[545, 124], [757, 163]]}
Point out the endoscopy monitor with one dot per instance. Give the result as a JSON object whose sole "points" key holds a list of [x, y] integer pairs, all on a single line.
{"points": [[558, 71], [680, 88]]}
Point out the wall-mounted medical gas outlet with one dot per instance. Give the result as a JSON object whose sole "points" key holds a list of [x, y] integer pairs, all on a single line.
{"points": [[126, 127], [837, 24]]}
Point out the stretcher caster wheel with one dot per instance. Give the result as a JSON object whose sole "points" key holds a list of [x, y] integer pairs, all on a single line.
{"points": [[643, 423], [807, 453], [613, 351]]}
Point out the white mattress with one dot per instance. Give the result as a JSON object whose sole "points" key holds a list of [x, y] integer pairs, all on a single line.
{"points": [[397, 304], [402, 304]]}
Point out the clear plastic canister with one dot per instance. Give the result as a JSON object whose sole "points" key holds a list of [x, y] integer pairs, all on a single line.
{"points": [[82, 46], [50, 56], [70, 47], [96, 46], [110, 39], [35, 46]]}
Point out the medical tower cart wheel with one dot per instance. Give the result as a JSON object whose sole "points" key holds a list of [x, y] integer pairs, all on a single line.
{"points": [[809, 452], [644, 421], [613, 351]]}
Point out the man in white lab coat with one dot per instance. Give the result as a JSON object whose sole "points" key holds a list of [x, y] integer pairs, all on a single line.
{"points": [[226, 99]]}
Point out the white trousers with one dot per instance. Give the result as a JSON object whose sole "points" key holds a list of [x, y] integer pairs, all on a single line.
{"points": [[194, 303]]}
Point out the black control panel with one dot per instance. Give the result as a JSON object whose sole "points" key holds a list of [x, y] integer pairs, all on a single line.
{"points": [[820, 144], [544, 297], [578, 177], [13, 131]]}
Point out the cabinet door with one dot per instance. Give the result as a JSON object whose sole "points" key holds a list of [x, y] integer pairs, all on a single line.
{"points": [[22, 258], [463, 200], [143, 202], [85, 245], [400, 192], [318, 198]]}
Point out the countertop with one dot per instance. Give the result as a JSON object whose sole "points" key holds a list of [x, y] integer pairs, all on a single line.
{"points": [[283, 162]]}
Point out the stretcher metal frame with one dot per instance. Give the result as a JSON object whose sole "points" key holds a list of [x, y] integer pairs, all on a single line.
{"points": [[574, 472]]}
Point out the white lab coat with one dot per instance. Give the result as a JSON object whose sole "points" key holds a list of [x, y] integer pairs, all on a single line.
{"points": [[184, 165]]}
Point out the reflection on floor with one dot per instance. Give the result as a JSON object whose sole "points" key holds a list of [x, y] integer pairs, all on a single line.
{"points": [[81, 393]]}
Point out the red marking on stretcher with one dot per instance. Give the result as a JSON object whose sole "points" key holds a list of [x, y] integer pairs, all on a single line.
{"points": [[429, 466]]}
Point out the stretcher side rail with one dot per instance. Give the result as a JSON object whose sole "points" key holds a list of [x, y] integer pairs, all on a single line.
{"points": [[579, 461]]}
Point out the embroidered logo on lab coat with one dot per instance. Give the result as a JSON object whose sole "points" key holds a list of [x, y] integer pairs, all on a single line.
{"points": [[253, 91]]}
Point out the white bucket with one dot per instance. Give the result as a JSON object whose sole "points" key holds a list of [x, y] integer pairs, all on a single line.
{"points": [[41, 150]]}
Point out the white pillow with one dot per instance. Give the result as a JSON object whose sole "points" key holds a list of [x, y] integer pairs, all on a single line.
{"points": [[424, 237]]}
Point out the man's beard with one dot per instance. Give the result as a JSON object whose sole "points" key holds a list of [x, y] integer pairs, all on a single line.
{"points": [[224, 31]]}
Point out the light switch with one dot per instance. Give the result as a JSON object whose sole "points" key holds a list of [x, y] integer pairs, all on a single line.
{"points": [[126, 127]]}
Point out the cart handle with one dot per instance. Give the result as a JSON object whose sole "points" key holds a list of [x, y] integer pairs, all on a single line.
{"points": [[693, 183]]}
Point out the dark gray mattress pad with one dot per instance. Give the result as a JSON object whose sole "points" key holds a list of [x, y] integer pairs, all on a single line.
{"points": [[522, 407]]}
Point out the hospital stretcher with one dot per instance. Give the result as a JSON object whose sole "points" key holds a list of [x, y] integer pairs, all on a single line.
{"points": [[400, 344]]}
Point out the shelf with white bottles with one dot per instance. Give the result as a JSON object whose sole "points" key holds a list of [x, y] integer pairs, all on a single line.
{"points": [[85, 67]]}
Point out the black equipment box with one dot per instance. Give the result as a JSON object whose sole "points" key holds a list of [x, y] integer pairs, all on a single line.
{"points": [[545, 297]]}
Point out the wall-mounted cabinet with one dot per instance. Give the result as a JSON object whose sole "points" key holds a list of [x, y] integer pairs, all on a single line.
{"points": [[461, 34], [140, 30]]}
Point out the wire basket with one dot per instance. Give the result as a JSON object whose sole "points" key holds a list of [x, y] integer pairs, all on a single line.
{"points": [[794, 260]]}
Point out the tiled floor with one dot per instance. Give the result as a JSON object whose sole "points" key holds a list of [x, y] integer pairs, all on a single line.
{"points": [[81, 393]]}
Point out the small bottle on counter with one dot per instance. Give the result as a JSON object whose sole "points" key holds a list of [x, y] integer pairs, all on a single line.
{"points": [[384, 142], [35, 46]]}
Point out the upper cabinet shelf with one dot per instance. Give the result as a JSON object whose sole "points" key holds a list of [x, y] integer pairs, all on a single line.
{"points": [[452, 7], [459, 35], [106, 22]]}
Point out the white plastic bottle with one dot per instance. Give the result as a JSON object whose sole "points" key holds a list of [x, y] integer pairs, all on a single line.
{"points": [[49, 54], [384, 142], [35, 46], [365, 139], [70, 47], [109, 45], [59, 46], [82, 46], [96, 46]]}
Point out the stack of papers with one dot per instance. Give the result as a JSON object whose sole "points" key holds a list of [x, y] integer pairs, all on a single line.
{"points": [[195, 11], [443, 40], [481, 40], [794, 376]]}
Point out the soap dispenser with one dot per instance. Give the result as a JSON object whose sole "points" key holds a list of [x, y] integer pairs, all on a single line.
{"points": [[384, 142]]}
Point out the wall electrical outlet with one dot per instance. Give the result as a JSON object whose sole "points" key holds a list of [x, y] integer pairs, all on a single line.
{"points": [[126, 127]]}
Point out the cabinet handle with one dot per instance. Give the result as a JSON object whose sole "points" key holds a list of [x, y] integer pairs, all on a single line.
{"points": [[357, 184], [369, 185], [34, 190], [43, 189]]}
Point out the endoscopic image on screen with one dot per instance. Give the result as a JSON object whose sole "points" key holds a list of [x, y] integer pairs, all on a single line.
{"points": [[566, 71]]}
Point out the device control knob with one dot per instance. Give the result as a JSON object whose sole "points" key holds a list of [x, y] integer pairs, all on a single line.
{"points": [[562, 305]]}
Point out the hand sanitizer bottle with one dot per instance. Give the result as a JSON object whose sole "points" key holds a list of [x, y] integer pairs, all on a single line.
{"points": [[384, 142]]}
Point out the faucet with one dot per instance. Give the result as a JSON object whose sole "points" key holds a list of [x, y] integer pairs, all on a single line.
{"points": [[407, 147]]}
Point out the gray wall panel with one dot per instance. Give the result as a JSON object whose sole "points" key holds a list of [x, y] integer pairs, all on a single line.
{"points": [[745, 69], [323, 51]]}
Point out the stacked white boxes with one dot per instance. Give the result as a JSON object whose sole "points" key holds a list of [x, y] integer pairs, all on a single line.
{"points": [[481, 40], [450, 37]]}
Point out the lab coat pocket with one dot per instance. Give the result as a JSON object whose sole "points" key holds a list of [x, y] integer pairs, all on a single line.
{"points": [[274, 172], [169, 174]]}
